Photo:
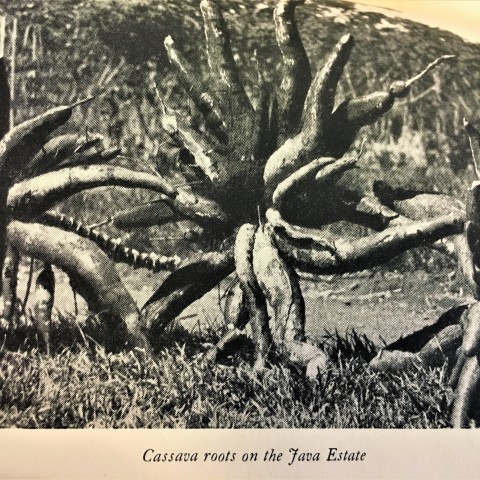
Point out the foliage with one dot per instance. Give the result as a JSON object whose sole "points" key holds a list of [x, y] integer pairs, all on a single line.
{"points": [[114, 49], [86, 387], [411, 142]]}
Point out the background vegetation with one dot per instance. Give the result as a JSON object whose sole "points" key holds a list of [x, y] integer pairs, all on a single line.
{"points": [[71, 49], [114, 49]]}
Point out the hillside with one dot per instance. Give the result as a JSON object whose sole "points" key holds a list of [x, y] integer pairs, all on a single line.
{"points": [[114, 50]]}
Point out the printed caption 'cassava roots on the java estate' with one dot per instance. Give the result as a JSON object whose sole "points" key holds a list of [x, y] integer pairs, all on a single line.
{"points": [[266, 166]]}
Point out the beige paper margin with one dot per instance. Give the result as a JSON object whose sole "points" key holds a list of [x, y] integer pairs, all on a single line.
{"points": [[390, 454], [458, 16], [97, 454]]}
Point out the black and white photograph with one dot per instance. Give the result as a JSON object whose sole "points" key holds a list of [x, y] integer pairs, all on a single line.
{"points": [[235, 214]]}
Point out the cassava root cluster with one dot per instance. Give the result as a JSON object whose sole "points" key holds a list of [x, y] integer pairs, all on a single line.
{"points": [[263, 178]]}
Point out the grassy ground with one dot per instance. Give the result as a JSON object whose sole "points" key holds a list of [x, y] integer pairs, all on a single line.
{"points": [[89, 388], [83, 386]]}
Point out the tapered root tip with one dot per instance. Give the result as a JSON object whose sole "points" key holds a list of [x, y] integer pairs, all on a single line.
{"points": [[466, 123], [441, 59], [347, 38], [429, 67], [83, 101], [89, 143]]}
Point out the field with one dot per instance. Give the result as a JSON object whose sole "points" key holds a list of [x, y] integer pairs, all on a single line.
{"points": [[83, 386], [420, 144]]}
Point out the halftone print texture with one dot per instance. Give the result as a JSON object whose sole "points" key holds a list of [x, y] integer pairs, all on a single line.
{"points": [[241, 214]]}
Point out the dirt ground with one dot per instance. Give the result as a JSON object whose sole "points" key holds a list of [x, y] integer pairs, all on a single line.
{"points": [[382, 305]]}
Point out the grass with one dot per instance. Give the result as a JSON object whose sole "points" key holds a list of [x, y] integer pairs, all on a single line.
{"points": [[421, 145], [83, 386]]}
